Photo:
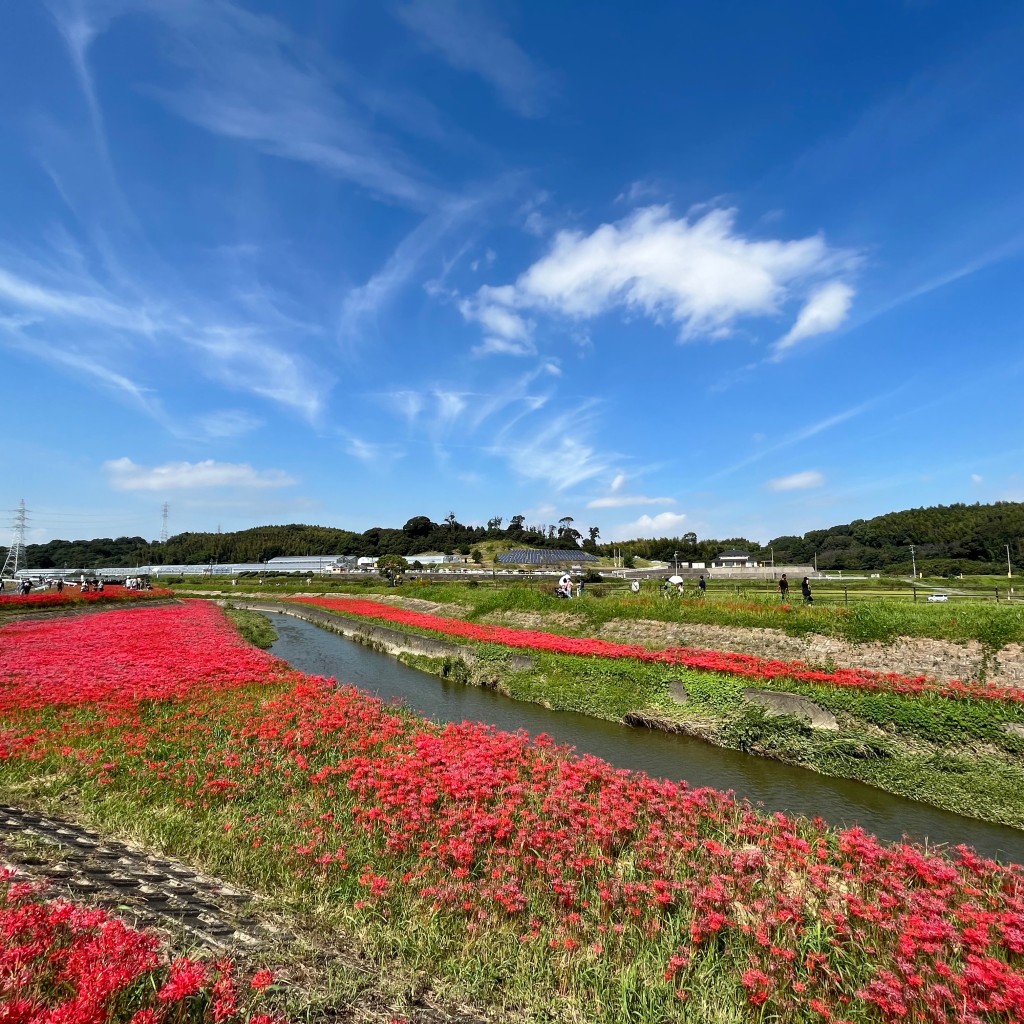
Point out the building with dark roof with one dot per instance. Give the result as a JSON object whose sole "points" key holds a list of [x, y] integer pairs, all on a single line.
{"points": [[546, 556]]}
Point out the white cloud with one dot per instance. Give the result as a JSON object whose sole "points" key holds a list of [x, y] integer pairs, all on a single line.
{"points": [[625, 500], [501, 347], [701, 275], [824, 311], [373, 454], [977, 478], [664, 524], [558, 453], [241, 358], [620, 479], [797, 481], [470, 39], [227, 423], [125, 475]]}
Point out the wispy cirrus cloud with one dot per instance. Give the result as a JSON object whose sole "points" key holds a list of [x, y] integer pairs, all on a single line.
{"points": [[125, 475], [626, 500], [248, 77], [797, 481], [470, 38], [559, 452]]}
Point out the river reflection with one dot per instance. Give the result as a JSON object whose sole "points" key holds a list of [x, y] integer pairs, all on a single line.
{"points": [[777, 787]]}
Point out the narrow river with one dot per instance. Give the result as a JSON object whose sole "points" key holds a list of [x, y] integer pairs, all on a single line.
{"points": [[777, 787]]}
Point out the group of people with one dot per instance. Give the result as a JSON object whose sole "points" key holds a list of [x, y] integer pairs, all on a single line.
{"points": [[565, 587], [680, 588], [805, 589], [24, 586]]}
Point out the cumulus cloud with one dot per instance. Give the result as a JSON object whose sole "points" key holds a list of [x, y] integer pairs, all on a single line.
{"points": [[824, 311], [664, 524], [701, 275], [797, 481], [126, 475]]}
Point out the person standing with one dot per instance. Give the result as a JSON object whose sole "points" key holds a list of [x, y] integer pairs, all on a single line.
{"points": [[805, 589], [784, 587], [702, 585]]}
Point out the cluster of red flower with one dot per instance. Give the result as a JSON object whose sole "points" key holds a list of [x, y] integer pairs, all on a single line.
{"points": [[113, 592], [60, 962], [131, 655], [747, 665], [605, 872]]}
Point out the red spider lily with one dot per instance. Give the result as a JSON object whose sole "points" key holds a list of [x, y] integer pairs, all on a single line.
{"points": [[68, 964], [747, 665]]}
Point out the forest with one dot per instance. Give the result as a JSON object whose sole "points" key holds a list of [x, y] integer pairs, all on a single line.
{"points": [[946, 540]]}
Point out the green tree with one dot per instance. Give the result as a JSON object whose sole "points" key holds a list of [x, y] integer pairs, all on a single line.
{"points": [[391, 567]]}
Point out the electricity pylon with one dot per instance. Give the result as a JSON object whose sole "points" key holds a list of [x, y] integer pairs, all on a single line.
{"points": [[16, 552]]}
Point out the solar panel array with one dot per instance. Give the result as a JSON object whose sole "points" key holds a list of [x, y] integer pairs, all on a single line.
{"points": [[544, 556]]}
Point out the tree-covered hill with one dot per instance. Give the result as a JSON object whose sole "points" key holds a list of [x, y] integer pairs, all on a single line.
{"points": [[946, 539]]}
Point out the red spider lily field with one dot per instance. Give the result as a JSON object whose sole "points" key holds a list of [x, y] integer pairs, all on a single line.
{"points": [[502, 871], [746, 665], [14, 603]]}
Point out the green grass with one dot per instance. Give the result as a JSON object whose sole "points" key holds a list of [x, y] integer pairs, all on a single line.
{"points": [[256, 628]]}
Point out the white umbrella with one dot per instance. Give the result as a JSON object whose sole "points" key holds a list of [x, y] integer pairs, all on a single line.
{"points": [[675, 579]]}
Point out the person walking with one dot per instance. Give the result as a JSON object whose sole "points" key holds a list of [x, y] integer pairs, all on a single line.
{"points": [[784, 588], [805, 589], [703, 585]]}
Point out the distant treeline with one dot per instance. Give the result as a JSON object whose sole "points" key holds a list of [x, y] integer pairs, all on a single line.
{"points": [[947, 539], [262, 543]]}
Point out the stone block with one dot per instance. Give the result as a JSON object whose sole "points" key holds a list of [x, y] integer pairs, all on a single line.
{"points": [[777, 703]]}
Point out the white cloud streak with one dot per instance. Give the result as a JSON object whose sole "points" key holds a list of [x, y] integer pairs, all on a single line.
{"points": [[797, 481], [471, 39], [126, 475], [625, 500]]}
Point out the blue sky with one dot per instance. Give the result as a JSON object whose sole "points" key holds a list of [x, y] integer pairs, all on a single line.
{"points": [[741, 269]]}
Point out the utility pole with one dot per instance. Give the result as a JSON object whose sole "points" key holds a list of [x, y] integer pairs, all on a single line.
{"points": [[1009, 565], [913, 562], [675, 560]]}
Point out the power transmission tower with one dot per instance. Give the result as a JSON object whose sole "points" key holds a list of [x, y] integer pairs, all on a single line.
{"points": [[16, 552], [165, 512]]}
